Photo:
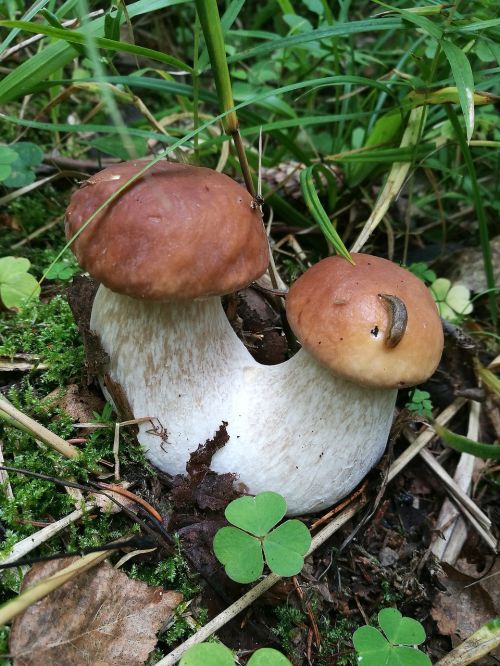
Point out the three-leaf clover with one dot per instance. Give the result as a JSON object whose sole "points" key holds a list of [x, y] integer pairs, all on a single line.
{"points": [[420, 403], [214, 654], [453, 301], [242, 548], [21, 170], [397, 647], [16, 284], [7, 157]]}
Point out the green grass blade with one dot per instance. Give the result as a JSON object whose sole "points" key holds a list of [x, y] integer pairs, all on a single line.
{"points": [[466, 445], [464, 80], [36, 71], [74, 37], [227, 20], [34, 9], [315, 207], [214, 39], [337, 30], [481, 215]]}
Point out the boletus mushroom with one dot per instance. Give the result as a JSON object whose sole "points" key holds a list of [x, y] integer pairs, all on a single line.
{"points": [[309, 428]]}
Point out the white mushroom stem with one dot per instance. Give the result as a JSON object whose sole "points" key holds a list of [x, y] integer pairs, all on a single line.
{"points": [[293, 428]]}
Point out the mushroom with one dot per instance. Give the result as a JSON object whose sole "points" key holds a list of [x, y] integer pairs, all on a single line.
{"points": [[309, 428]]}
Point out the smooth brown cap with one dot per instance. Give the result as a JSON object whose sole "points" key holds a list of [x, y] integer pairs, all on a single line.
{"points": [[342, 316], [178, 232]]}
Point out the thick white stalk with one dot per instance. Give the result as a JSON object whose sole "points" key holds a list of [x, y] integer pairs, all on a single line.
{"points": [[293, 428]]}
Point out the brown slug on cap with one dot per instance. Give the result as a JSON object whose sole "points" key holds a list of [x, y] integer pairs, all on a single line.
{"points": [[398, 319]]}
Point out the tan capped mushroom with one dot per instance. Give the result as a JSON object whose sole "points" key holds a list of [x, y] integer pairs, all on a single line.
{"points": [[309, 428]]}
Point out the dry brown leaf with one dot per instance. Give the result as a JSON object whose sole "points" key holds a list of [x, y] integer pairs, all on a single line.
{"points": [[79, 403], [464, 607], [101, 618]]}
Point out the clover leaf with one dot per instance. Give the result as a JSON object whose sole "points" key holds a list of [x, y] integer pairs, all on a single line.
{"points": [[16, 284], [258, 514], [22, 168], [214, 654], [453, 301], [420, 403], [7, 156], [396, 648], [207, 654], [241, 549]]}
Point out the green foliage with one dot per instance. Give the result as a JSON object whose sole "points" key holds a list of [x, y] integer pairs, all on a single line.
{"points": [[420, 403], [466, 445], [63, 270], [208, 654], [172, 572], [213, 654], [453, 301], [422, 271], [396, 646], [7, 157], [240, 548], [17, 286], [47, 331], [19, 171]]}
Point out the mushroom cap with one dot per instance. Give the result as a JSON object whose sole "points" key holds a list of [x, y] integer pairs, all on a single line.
{"points": [[178, 232], [341, 315]]}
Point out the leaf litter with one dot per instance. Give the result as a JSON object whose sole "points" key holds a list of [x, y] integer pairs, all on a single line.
{"points": [[101, 618]]}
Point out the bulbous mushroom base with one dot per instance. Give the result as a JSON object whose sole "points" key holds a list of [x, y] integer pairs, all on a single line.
{"points": [[293, 428]]}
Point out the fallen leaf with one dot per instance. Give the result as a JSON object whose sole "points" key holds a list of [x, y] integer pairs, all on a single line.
{"points": [[79, 403], [101, 618], [464, 607]]}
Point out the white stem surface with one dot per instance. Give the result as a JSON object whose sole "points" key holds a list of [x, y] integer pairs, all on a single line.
{"points": [[293, 428]]}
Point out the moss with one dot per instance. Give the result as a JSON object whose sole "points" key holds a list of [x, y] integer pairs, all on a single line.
{"points": [[48, 331]]}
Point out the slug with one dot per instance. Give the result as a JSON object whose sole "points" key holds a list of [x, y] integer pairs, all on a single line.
{"points": [[398, 319]]}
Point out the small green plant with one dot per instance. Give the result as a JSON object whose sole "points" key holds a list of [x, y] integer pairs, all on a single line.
{"points": [[242, 548], [453, 301], [63, 270], [420, 403], [16, 285], [213, 654], [7, 157], [18, 163], [396, 646]]}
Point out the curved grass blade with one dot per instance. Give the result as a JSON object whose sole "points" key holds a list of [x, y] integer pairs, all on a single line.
{"points": [[74, 37], [466, 445], [317, 211], [337, 30]]}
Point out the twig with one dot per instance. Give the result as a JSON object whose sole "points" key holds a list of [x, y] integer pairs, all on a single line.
{"points": [[448, 546], [470, 510], [423, 439], [28, 544], [37, 430]]}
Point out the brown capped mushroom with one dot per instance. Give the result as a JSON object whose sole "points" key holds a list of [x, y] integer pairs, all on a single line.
{"points": [[309, 428]]}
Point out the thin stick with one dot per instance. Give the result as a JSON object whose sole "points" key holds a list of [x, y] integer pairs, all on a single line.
{"points": [[28, 544], [448, 547], [424, 438], [37, 430], [474, 516]]}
